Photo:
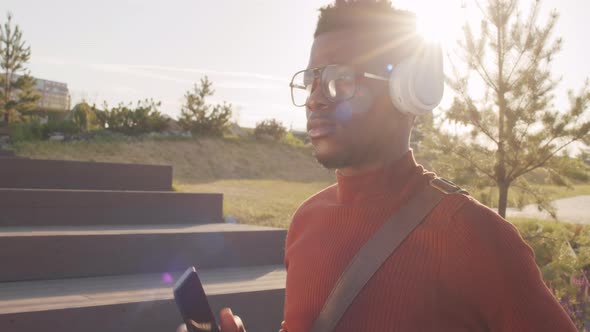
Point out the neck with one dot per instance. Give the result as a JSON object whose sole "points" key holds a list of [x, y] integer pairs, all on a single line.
{"points": [[391, 156]]}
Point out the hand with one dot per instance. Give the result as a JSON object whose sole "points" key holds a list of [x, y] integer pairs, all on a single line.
{"points": [[227, 320], [283, 327]]}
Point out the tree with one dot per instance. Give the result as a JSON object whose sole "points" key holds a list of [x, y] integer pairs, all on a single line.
{"points": [[17, 87], [201, 118], [515, 127]]}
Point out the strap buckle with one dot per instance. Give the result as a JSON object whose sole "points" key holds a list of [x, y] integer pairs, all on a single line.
{"points": [[446, 186]]}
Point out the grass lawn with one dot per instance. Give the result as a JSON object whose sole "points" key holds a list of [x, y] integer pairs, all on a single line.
{"points": [[259, 202], [272, 202]]}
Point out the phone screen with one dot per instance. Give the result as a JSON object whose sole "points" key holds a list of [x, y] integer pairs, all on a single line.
{"points": [[192, 302]]}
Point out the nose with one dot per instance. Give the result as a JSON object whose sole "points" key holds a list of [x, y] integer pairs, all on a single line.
{"points": [[316, 102]]}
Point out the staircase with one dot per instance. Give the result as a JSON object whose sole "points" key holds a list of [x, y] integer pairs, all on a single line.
{"points": [[97, 247], [6, 153]]}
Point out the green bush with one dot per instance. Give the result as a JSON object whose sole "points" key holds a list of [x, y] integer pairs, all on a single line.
{"points": [[26, 131], [562, 252], [36, 131], [64, 127], [84, 116], [142, 119], [291, 139], [270, 129]]}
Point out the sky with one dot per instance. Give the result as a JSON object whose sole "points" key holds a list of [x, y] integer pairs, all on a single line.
{"points": [[127, 50]]}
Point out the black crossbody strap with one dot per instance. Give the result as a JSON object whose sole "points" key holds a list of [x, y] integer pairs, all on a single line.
{"points": [[377, 250]]}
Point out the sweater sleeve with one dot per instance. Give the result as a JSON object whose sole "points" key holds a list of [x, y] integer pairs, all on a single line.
{"points": [[492, 273]]}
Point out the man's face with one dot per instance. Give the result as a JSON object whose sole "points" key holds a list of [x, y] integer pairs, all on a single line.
{"points": [[357, 131]]}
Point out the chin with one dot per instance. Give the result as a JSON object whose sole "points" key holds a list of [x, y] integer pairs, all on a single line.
{"points": [[333, 159]]}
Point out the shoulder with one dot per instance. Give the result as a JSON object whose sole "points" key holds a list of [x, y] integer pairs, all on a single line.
{"points": [[325, 197], [310, 208], [453, 201], [319, 201], [471, 226], [476, 226], [479, 218], [463, 213]]}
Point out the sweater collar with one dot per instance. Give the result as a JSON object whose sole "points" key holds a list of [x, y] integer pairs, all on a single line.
{"points": [[388, 179]]}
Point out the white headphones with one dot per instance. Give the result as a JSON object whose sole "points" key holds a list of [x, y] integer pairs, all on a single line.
{"points": [[416, 84]]}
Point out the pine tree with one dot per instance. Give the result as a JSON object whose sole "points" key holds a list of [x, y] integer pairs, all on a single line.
{"points": [[17, 87], [201, 118], [515, 127]]}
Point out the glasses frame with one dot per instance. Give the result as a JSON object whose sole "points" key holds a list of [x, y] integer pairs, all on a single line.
{"points": [[317, 73]]}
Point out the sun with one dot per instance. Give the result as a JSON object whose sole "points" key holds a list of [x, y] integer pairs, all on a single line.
{"points": [[430, 30], [438, 21]]}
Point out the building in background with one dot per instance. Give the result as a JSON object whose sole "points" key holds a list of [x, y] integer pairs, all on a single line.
{"points": [[54, 101]]}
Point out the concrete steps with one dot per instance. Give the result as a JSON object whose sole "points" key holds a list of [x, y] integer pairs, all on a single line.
{"points": [[138, 302], [96, 246], [62, 174], [72, 252], [6, 154], [51, 207]]}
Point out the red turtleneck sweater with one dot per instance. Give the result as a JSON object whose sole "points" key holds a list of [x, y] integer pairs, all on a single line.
{"points": [[463, 269]]}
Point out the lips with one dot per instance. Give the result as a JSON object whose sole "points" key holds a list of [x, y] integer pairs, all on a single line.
{"points": [[319, 128]]}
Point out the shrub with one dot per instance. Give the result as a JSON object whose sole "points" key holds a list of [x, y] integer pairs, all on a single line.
{"points": [[65, 127], [270, 128], [26, 131], [144, 118], [35, 131], [84, 116], [562, 252], [292, 140], [201, 118]]}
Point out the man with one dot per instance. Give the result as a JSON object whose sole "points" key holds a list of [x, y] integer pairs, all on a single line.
{"points": [[463, 269]]}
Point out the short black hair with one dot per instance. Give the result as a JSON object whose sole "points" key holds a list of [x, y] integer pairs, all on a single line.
{"points": [[377, 16]]}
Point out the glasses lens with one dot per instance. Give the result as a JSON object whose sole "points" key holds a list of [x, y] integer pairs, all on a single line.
{"points": [[338, 83], [301, 86]]}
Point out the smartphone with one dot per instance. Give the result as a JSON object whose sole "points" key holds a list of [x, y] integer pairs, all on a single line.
{"points": [[192, 303]]}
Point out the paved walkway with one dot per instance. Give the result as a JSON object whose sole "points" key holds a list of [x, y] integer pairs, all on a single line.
{"points": [[573, 209]]}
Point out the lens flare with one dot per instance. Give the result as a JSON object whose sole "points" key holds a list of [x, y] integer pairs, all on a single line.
{"points": [[167, 278], [343, 112]]}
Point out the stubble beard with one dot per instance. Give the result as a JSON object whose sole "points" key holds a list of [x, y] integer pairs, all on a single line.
{"points": [[343, 159], [334, 162]]}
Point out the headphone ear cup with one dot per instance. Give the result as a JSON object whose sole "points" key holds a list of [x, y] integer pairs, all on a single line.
{"points": [[416, 85], [399, 85]]}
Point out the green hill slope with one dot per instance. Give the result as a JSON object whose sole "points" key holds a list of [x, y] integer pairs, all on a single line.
{"points": [[194, 160]]}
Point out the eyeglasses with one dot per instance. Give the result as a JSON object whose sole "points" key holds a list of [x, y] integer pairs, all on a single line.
{"points": [[337, 82]]}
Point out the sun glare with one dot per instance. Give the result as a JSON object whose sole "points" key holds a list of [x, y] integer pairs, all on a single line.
{"points": [[430, 31], [438, 21]]}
